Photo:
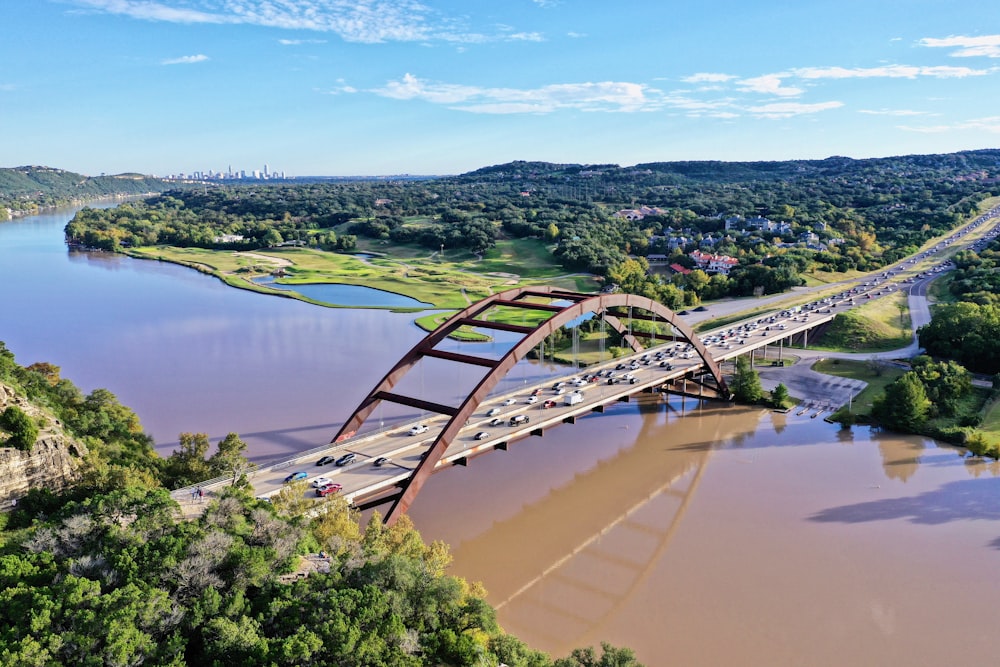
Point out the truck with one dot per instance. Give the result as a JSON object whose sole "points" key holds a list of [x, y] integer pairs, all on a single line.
{"points": [[573, 398]]}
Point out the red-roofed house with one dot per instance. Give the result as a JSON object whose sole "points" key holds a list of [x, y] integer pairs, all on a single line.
{"points": [[710, 263]]}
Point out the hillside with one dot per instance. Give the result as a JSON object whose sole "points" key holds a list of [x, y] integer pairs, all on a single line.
{"points": [[26, 189]]}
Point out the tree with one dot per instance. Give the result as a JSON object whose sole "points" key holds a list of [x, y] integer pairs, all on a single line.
{"points": [[22, 429], [904, 404], [229, 459], [746, 382], [779, 396], [187, 464], [610, 657]]}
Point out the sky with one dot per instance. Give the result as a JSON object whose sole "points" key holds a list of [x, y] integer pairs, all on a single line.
{"points": [[379, 87]]}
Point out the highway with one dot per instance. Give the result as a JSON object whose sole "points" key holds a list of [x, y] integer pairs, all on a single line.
{"points": [[545, 405]]}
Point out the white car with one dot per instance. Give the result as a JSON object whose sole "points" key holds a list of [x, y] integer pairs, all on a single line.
{"points": [[510, 401], [532, 399], [418, 429], [321, 481]]}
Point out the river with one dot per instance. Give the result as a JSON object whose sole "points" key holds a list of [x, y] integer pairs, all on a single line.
{"points": [[697, 534]]}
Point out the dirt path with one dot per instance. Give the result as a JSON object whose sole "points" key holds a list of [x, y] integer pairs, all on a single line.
{"points": [[277, 261]]}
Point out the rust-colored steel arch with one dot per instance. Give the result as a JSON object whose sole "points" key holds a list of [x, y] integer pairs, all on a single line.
{"points": [[573, 306]]}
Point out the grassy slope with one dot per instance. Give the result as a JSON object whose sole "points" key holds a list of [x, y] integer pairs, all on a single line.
{"points": [[878, 326]]}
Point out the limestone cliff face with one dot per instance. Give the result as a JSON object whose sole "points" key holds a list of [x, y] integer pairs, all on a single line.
{"points": [[54, 462]]}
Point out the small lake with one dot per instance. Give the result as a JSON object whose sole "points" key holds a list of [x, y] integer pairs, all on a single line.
{"points": [[356, 296]]}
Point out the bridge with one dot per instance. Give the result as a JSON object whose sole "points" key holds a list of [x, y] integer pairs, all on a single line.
{"points": [[390, 465]]}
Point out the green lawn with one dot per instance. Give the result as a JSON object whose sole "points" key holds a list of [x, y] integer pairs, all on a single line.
{"points": [[878, 377], [881, 325]]}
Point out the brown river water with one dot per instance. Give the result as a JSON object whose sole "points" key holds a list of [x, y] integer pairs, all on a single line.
{"points": [[695, 533]]}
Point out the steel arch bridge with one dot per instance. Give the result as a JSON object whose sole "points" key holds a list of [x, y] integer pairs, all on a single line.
{"points": [[556, 309]]}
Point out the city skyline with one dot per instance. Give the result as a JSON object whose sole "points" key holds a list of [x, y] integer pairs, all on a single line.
{"points": [[375, 87]]}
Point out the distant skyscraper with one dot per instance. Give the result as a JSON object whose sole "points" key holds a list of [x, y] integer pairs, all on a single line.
{"points": [[265, 170]]}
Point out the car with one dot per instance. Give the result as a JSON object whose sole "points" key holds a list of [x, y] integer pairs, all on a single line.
{"points": [[482, 435], [381, 461], [496, 421], [345, 459], [549, 404], [518, 420], [322, 481], [418, 429], [296, 476], [324, 460], [493, 413], [536, 392], [532, 399], [509, 401], [327, 489]]}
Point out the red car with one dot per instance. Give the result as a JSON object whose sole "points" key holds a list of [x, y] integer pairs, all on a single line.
{"points": [[328, 489], [549, 404]]}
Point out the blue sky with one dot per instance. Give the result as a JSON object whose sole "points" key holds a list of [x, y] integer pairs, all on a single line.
{"points": [[350, 87]]}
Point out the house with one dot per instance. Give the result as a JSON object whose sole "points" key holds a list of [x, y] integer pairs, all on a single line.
{"points": [[710, 263], [677, 268], [632, 214], [656, 259]]}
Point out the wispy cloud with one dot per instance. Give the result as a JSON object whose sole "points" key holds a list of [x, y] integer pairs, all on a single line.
{"points": [[708, 77], [769, 84], [965, 47], [894, 112], [7, 87], [589, 96], [185, 60], [989, 124], [789, 109], [888, 72], [369, 21], [297, 42]]}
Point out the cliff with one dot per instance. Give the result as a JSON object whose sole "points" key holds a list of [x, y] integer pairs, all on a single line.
{"points": [[54, 462]]}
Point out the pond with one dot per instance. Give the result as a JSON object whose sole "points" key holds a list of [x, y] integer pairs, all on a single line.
{"points": [[356, 296]]}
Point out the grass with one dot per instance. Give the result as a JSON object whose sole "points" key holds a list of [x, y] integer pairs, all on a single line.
{"points": [[990, 425], [878, 376], [878, 326]]}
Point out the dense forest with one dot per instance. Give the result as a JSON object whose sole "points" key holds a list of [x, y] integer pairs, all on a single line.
{"points": [[836, 214], [25, 190], [107, 573]]}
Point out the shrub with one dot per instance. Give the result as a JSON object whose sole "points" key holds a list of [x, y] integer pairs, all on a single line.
{"points": [[23, 431]]}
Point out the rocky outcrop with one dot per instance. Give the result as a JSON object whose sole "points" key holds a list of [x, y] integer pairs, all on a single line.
{"points": [[52, 464], [55, 462]]}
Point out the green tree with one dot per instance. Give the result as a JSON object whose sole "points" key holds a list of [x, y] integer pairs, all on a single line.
{"points": [[904, 404], [779, 396], [746, 382], [187, 464], [229, 459], [22, 429]]}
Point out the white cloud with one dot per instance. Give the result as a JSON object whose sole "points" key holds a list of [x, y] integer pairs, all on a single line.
{"points": [[7, 87], [185, 60], [789, 109], [769, 84], [893, 112], [368, 21], [708, 77], [985, 46], [888, 72], [576, 35], [589, 96], [989, 124], [297, 42]]}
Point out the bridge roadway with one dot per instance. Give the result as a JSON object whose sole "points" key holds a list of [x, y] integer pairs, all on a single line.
{"points": [[361, 479]]}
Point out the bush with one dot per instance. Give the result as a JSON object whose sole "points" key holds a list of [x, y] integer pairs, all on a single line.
{"points": [[23, 431]]}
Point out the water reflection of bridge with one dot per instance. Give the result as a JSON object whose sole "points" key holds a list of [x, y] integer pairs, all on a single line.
{"points": [[566, 586]]}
